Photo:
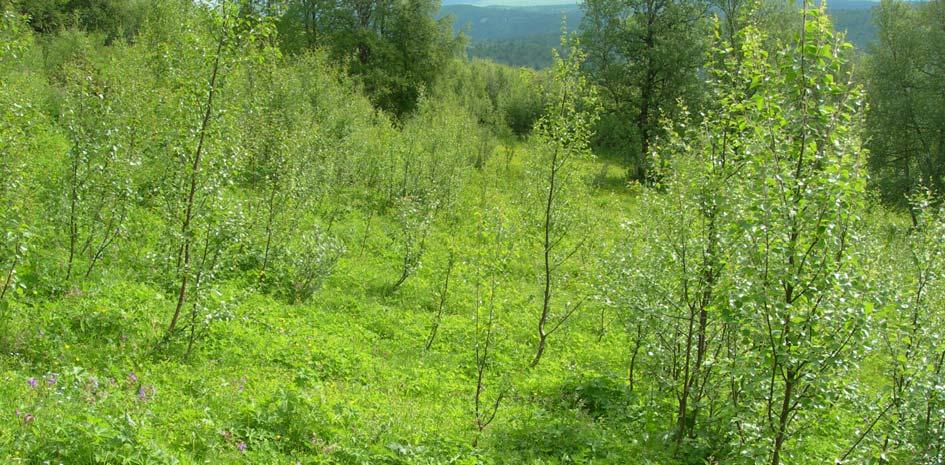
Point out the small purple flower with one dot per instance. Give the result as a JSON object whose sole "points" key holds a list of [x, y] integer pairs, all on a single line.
{"points": [[32, 382], [241, 446], [51, 379], [145, 392], [132, 377]]}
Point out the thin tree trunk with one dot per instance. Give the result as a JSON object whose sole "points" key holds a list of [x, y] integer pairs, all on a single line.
{"points": [[194, 177], [9, 279], [197, 282], [646, 95], [783, 417], [110, 234], [367, 232], [404, 274], [444, 294], [643, 126], [681, 420], [73, 222], [483, 419], [547, 247], [708, 287], [931, 396], [633, 356], [269, 221]]}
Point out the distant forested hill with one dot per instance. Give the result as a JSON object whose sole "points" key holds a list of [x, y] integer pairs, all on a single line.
{"points": [[530, 52], [517, 36], [520, 33], [504, 23], [858, 24]]}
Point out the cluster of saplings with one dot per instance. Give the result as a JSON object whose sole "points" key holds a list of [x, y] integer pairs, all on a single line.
{"points": [[207, 150], [768, 301]]}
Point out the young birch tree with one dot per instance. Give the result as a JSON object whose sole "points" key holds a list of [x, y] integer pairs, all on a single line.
{"points": [[98, 184], [562, 139], [490, 268], [14, 180], [697, 229], [909, 288], [200, 136], [798, 278]]}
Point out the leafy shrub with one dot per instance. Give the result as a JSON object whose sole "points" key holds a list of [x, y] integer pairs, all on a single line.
{"points": [[598, 396], [289, 421], [299, 270], [551, 438]]}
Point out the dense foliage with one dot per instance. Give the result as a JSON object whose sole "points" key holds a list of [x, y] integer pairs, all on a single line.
{"points": [[309, 232], [644, 55], [907, 118]]}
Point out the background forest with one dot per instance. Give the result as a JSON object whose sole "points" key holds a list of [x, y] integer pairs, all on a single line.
{"points": [[521, 35], [313, 232]]}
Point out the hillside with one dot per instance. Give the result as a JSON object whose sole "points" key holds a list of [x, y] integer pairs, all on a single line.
{"points": [[859, 26], [503, 23], [523, 34], [299, 232]]}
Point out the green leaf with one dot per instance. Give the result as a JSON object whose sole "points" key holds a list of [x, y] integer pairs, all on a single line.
{"points": [[759, 101]]}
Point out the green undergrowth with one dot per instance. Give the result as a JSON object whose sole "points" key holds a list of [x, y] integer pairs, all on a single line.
{"points": [[341, 378]]}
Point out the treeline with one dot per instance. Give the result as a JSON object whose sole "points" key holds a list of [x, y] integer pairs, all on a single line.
{"points": [[904, 75], [647, 59]]}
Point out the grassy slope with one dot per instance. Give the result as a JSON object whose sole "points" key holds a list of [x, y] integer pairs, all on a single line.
{"points": [[343, 379]]}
